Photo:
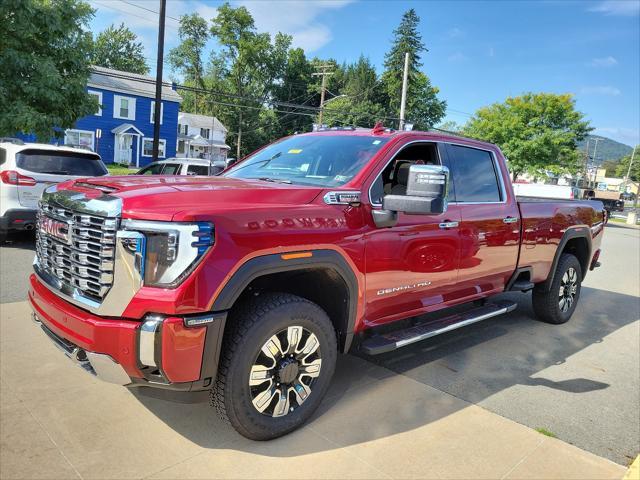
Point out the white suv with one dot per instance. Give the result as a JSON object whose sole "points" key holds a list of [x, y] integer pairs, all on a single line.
{"points": [[183, 166], [26, 169]]}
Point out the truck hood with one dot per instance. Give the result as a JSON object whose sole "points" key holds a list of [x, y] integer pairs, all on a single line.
{"points": [[184, 197]]}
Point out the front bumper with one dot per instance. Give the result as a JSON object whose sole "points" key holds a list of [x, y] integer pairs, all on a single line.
{"points": [[176, 354], [98, 364]]}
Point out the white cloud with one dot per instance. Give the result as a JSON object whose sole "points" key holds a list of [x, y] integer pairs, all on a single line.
{"points": [[457, 57], [617, 7], [491, 52], [603, 62], [601, 90], [296, 18], [629, 136]]}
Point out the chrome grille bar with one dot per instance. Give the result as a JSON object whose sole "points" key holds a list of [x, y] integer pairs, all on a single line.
{"points": [[85, 261]]}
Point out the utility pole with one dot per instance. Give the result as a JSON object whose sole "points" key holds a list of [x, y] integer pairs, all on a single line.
{"points": [[403, 100], [324, 74], [633, 154], [158, 104]]}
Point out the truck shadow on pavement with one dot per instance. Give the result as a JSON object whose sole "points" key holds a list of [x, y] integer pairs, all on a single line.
{"points": [[428, 381]]}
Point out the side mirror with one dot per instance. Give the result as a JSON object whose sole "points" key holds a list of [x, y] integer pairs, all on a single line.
{"points": [[427, 188]]}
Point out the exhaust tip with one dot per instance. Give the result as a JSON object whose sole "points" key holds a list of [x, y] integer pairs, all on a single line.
{"points": [[29, 226]]}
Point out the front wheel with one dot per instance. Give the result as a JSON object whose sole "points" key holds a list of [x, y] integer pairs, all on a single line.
{"points": [[557, 303], [278, 358]]}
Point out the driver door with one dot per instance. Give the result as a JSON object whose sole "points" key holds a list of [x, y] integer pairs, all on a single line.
{"points": [[412, 266]]}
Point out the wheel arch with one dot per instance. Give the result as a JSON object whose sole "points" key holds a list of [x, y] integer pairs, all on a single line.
{"points": [[321, 276], [576, 241]]}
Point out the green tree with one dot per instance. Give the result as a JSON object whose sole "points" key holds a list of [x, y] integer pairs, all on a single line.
{"points": [[186, 58], [360, 98], [536, 131], [119, 48], [423, 108], [623, 166], [297, 86], [44, 46], [610, 167], [247, 66]]}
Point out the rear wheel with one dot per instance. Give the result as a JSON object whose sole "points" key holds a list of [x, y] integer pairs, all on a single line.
{"points": [[557, 303], [277, 362]]}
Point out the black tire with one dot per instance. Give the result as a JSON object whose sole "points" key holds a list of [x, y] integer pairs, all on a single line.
{"points": [[250, 327], [548, 302]]}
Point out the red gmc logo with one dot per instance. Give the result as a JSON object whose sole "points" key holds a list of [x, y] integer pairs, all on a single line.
{"points": [[55, 228]]}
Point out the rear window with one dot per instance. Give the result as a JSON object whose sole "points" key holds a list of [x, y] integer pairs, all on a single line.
{"points": [[198, 170], [56, 162], [474, 175], [3, 156], [171, 169]]}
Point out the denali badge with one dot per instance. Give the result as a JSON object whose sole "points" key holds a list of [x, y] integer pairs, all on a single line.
{"points": [[55, 228], [385, 291]]}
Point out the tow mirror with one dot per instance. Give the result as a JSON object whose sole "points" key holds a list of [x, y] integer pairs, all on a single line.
{"points": [[427, 188]]}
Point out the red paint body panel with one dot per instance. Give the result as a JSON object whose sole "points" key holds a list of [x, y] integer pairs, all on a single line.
{"points": [[254, 218], [116, 338], [182, 350]]}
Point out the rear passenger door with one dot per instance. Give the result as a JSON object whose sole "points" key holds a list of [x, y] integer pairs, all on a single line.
{"points": [[490, 228]]}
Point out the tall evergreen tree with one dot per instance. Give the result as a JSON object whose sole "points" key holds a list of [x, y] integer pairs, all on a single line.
{"points": [[424, 109]]}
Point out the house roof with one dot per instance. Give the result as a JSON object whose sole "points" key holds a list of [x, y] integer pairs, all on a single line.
{"points": [[200, 121], [136, 84], [124, 128]]}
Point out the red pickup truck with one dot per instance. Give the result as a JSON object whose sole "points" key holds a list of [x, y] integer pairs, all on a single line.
{"points": [[245, 287]]}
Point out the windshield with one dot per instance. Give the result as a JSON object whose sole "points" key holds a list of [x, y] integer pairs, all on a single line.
{"points": [[319, 160], [57, 162]]}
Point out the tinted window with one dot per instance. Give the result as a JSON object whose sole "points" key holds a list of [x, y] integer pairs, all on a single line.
{"points": [[474, 175], [324, 160], [153, 169], [61, 163], [3, 155], [197, 170], [171, 169]]}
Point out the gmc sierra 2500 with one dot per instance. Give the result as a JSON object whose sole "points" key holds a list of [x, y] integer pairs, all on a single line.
{"points": [[247, 285]]}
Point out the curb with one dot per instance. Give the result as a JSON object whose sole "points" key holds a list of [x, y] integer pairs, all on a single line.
{"points": [[634, 470]]}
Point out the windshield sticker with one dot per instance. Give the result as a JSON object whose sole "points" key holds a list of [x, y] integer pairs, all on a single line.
{"points": [[341, 178], [295, 150], [376, 142]]}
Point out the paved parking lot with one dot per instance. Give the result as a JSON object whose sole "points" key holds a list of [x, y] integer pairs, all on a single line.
{"points": [[463, 405]]}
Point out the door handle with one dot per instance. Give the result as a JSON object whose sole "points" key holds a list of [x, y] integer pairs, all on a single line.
{"points": [[446, 225], [510, 219]]}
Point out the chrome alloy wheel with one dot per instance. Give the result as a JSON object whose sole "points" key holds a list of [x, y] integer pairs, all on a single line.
{"points": [[284, 371], [568, 289]]}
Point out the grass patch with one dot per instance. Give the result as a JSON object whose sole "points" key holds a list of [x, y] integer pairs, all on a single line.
{"points": [[546, 432], [620, 220], [115, 169]]}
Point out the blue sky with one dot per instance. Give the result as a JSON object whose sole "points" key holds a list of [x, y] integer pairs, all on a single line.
{"points": [[479, 52]]}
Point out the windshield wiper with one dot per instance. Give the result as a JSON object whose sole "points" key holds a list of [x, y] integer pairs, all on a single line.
{"points": [[275, 180], [59, 172]]}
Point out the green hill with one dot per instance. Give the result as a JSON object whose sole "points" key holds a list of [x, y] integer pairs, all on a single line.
{"points": [[607, 149]]}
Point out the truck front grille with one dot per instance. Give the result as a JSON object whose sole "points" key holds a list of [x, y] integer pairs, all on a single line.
{"points": [[77, 249]]}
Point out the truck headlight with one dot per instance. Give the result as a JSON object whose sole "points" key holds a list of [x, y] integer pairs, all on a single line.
{"points": [[168, 251]]}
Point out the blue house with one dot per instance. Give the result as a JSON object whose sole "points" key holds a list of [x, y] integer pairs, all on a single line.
{"points": [[121, 131]]}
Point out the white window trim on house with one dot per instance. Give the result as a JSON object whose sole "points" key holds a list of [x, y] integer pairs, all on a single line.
{"points": [[153, 107], [162, 149], [116, 107], [75, 130], [99, 95]]}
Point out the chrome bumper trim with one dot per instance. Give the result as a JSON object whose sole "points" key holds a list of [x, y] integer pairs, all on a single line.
{"points": [[100, 365]]}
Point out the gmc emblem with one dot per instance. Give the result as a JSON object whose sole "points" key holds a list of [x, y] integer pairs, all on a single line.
{"points": [[55, 228]]}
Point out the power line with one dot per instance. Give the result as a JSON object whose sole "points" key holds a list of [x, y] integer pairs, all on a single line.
{"points": [[149, 10], [151, 22], [245, 98]]}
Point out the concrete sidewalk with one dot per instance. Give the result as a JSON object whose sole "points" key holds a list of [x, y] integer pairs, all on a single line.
{"points": [[58, 422]]}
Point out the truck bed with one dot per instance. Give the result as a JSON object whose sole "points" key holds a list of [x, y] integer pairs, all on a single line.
{"points": [[544, 222]]}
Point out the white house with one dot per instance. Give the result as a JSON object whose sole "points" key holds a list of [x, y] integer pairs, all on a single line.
{"points": [[200, 136]]}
